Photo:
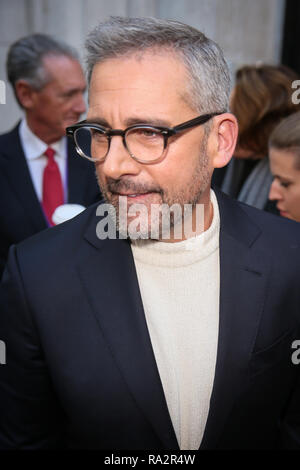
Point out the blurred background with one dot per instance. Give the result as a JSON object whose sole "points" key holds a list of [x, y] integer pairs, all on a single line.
{"points": [[247, 30]]}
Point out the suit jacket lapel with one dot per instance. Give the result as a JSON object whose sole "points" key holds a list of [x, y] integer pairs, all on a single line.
{"points": [[243, 277], [17, 172], [110, 282]]}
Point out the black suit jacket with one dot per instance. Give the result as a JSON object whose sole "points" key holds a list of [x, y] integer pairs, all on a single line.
{"points": [[21, 214], [80, 371]]}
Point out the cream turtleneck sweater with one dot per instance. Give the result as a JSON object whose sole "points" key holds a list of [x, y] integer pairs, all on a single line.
{"points": [[180, 285]]}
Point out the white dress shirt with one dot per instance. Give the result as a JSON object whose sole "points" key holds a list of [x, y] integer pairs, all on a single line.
{"points": [[34, 149]]}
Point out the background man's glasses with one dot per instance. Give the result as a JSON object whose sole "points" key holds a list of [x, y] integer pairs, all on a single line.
{"points": [[145, 143]]}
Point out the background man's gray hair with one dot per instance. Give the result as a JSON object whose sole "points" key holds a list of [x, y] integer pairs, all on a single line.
{"points": [[25, 59], [209, 78]]}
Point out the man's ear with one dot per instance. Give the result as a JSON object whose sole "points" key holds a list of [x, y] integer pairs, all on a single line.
{"points": [[226, 132], [25, 94]]}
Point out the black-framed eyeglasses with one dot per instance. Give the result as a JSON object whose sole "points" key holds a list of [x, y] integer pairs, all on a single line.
{"points": [[145, 143]]}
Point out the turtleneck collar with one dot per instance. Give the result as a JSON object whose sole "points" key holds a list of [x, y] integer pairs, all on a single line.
{"points": [[180, 253]]}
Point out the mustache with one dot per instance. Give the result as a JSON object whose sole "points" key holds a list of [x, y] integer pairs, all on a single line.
{"points": [[122, 185]]}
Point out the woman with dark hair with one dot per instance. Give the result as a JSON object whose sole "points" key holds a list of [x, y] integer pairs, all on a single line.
{"points": [[261, 98]]}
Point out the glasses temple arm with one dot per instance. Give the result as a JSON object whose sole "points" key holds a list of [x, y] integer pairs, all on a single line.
{"points": [[196, 121]]}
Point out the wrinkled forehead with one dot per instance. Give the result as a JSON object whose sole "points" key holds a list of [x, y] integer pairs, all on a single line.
{"points": [[139, 55], [150, 76]]}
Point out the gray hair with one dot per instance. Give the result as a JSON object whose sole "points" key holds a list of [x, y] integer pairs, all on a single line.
{"points": [[25, 59], [209, 78]]}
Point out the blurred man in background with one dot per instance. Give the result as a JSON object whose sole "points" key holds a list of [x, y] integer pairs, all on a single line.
{"points": [[39, 170]]}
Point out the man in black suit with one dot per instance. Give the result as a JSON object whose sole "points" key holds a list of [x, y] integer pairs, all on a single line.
{"points": [[172, 341], [48, 83]]}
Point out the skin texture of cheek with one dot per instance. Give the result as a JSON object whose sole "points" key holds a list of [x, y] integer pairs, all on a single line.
{"points": [[190, 190], [293, 204]]}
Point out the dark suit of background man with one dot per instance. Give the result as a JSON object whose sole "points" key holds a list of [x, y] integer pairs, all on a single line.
{"points": [[176, 343], [48, 83]]}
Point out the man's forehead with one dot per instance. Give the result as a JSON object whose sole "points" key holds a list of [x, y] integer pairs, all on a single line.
{"points": [[55, 61], [96, 116], [150, 67], [147, 81], [64, 69]]}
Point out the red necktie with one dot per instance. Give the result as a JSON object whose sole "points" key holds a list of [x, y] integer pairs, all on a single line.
{"points": [[53, 195]]}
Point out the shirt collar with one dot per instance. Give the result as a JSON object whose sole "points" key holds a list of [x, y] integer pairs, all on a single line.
{"points": [[34, 147]]}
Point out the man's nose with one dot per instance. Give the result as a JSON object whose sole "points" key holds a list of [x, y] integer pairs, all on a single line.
{"points": [[275, 193], [118, 161], [79, 104]]}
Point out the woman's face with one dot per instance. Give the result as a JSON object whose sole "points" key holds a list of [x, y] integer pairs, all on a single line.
{"points": [[285, 188]]}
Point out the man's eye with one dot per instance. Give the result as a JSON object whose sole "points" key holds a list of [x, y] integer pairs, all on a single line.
{"points": [[98, 136], [150, 133], [284, 184], [68, 94], [147, 133]]}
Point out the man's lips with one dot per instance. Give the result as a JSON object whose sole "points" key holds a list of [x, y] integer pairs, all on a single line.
{"points": [[283, 213], [135, 196]]}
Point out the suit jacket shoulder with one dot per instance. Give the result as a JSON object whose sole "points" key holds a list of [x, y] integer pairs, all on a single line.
{"points": [[72, 311], [277, 240]]}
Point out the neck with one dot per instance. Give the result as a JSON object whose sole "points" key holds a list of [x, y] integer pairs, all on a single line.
{"points": [[42, 131]]}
